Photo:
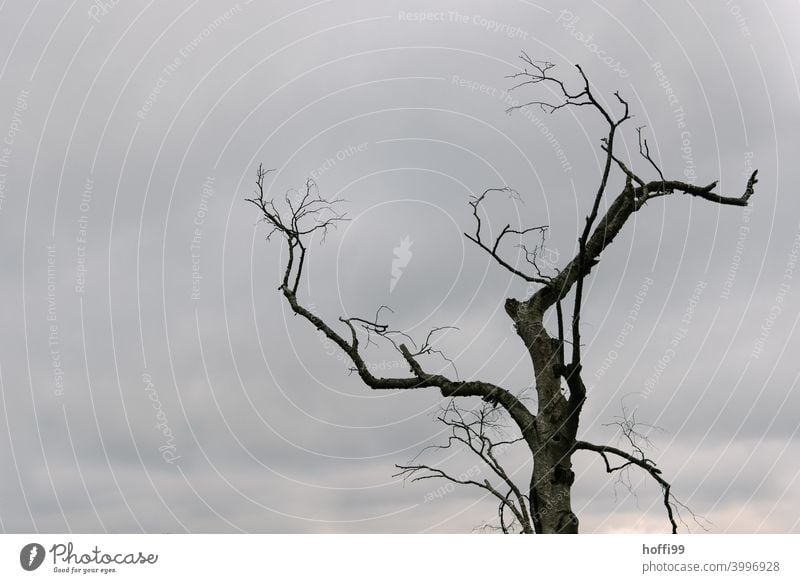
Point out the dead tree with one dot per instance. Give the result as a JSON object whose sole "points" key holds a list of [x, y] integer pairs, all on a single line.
{"points": [[550, 432]]}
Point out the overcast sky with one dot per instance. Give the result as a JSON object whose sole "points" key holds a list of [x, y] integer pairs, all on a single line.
{"points": [[151, 377]]}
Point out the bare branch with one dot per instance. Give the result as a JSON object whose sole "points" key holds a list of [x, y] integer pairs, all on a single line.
{"points": [[646, 465], [636, 439], [507, 230], [608, 227], [473, 429], [537, 72], [707, 192], [312, 214], [644, 151]]}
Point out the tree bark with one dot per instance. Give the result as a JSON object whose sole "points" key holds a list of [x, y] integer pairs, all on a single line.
{"points": [[553, 435]]}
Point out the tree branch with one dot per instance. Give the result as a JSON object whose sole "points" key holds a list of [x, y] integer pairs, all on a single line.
{"points": [[608, 227], [597, 235], [628, 427], [311, 214], [644, 464], [472, 430], [507, 230]]}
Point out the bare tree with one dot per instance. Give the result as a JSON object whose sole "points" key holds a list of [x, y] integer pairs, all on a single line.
{"points": [[550, 433]]}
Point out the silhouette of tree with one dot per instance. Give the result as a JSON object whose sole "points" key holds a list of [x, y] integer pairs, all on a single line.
{"points": [[550, 433]]}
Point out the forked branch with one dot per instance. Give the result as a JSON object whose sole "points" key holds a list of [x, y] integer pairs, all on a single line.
{"points": [[305, 214], [645, 464], [634, 433], [492, 248], [480, 432]]}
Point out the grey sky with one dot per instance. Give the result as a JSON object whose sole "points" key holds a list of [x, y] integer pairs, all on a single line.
{"points": [[132, 133]]}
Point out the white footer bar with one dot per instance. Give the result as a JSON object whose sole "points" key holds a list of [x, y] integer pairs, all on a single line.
{"points": [[398, 558]]}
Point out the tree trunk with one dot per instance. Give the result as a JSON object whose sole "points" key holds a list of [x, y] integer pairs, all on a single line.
{"points": [[552, 438]]}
